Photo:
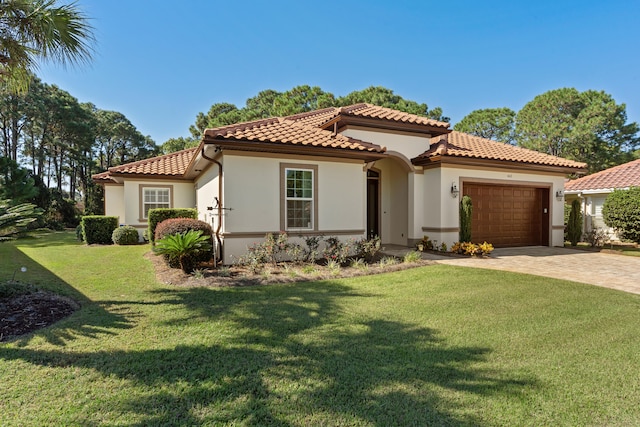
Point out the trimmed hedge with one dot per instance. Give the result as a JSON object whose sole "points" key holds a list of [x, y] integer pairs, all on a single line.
{"points": [[621, 211], [125, 235], [98, 229], [173, 226], [156, 216]]}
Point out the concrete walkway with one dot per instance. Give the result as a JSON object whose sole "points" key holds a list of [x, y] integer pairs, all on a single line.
{"points": [[596, 268]]}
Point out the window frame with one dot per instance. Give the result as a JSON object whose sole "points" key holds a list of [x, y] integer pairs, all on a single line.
{"points": [[284, 167], [142, 192]]}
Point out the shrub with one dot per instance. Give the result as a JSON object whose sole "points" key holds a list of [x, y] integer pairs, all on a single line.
{"points": [[311, 252], [125, 235], [368, 248], [466, 210], [158, 215], [98, 229], [79, 234], [596, 237], [184, 248], [336, 250], [174, 226], [621, 211], [574, 225]]}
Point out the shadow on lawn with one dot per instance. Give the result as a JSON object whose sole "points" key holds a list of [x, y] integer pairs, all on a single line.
{"points": [[94, 318], [292, 359]]}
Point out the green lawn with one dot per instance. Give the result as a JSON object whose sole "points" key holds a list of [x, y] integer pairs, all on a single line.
{"points": [[436, 345]]}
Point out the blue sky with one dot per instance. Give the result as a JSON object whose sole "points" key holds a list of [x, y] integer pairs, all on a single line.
{"points": [[161, 62]]}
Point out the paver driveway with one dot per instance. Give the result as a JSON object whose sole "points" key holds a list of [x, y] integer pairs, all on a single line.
{"points": [[596, 268]]}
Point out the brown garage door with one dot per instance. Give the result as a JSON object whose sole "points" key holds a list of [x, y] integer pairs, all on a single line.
{"points": [[509, 215]]}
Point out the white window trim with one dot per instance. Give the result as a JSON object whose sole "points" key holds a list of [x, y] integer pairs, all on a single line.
{"points": [[142, 192], [284, 167]]}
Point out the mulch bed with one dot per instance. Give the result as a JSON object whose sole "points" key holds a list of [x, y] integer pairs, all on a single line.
{"points": [[26, 313]]}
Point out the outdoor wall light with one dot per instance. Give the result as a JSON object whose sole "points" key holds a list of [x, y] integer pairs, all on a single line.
{"points": [[454, 190], [559, 194]]}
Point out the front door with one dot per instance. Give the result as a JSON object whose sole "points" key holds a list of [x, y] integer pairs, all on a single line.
{"points": [[373, 203]]}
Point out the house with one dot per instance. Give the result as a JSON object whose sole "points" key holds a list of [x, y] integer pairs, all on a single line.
{"points": [[354, 171], [592, 190]]}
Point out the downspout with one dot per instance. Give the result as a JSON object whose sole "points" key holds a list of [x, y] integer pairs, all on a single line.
{"points": [[220, 257]]}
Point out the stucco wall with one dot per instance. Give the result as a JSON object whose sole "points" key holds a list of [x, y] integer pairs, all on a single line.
{"points": [[410, 145], [182, 193], [206, 191], [252, 192], [394, 202], [114, 198], [441, 209]]}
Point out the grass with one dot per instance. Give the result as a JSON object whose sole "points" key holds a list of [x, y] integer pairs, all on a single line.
{"points": [[618, 248], [436, 345]]}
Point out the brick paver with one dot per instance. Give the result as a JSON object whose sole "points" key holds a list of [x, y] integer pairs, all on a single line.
{"points": [[596, 268]]}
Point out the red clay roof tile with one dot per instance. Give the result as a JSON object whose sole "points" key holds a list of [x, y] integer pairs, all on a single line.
{"points": [[320, 117], [172, 164], [621, 176], [283, 131], [464, 145]]}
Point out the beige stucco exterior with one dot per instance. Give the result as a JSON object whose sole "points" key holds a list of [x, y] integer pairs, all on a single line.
{"points": [[240, 190], [252, 196], [124, 201]]}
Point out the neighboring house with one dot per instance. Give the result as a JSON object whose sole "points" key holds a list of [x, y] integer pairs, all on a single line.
{"points": [[351, 172], [592, 190]]}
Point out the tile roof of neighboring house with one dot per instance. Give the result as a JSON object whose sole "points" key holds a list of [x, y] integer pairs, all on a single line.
{"points": [[282, 131], [621, 176], [320, 117], [172, 164], [460, 144]]}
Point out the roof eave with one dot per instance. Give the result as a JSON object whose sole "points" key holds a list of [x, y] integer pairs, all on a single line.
{"points": [[269, 147], [386, 124], [439, 160]]}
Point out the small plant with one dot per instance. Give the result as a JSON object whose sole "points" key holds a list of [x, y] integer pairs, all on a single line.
{"points": [[412, 257], [309, 269], [388, 261], [333, 267], [183, 248], [596, 237], [485, 248], [425, 244], [296, 253], [443, 247], [368, 248], [290, 271], [336, 250], [312, 251], [466, 211], [198, 273], [125, 235], [358, 263], [224, 272]]}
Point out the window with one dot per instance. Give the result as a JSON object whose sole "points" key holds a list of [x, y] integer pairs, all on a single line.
{"points": [[154, 197], [299, 207]]}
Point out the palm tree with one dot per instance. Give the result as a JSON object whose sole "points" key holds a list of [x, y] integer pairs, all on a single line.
{"points": [[33, 30]]}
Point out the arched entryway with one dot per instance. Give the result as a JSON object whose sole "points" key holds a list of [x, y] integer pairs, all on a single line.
{"points": [[388, 200]]}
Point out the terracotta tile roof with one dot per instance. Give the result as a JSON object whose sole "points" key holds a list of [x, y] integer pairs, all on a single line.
{"points": [[282, 131], [320, 117], [172, 164], [621, 176], [460, 144]]}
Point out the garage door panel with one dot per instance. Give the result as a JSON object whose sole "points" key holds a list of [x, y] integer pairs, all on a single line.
{"points": [[506, 215]]}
